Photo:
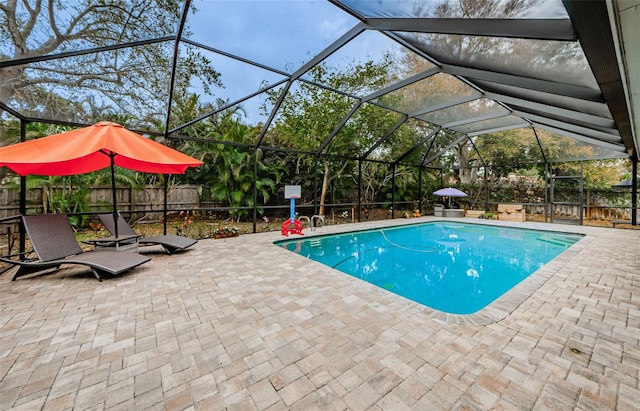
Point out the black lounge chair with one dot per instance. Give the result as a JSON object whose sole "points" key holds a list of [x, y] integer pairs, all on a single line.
{"points": [[54, 244], [170, 243]]}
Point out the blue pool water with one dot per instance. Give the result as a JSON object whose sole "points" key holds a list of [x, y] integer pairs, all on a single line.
{"points": [[452, 267]]}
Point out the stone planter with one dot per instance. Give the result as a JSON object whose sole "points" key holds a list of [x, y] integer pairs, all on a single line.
{"points": [[219, 236]]}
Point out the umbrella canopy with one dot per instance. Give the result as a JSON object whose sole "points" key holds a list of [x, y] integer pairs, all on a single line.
{"points": [[450, 192], [93, 148]]}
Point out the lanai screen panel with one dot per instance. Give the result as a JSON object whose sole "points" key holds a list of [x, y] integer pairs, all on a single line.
{"points": [[491, 125], [365, 129], [504, 147], [438, 142], [355, 57], [562, 148], [406, 138], [552, 9], [302, 108], [431, 92], [446, 140], [589, 103], [235, 85], [105, 53], [518, 68], [556, 61], [541, 76], [465, 112], [92, 87], [90, 26]]}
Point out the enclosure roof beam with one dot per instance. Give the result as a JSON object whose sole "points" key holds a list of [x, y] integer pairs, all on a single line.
{"points": [[577, 159], [338, 127], [499, 129], [484, 163], [48, 57], [552, 87], [332, 48], [174, 63], [446, 104], [226, 106], [553, 110], [407, 153], [272, 115], [426, 153], [474, 119], [410, 80], [610, 136], [234, 57], [11, 111], [447, 148], [535, 133], [384, 138], [581, 137], [400, 40], [538, 29]]}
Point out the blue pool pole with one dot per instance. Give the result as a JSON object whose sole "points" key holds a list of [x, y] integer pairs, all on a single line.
{"points": [[292, 210]]}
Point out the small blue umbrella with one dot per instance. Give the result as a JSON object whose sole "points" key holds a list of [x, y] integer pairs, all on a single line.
{"points": [[450, 192]]}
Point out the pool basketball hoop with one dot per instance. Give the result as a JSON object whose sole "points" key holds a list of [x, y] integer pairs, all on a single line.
{"points": [[292, 191], [292, 225]]}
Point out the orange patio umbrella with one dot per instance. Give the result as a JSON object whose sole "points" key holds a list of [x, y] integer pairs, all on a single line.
{"points": [[93, 148]]}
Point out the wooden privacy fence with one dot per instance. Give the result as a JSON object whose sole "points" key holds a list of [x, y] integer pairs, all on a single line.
{"points": [[149, 200]]}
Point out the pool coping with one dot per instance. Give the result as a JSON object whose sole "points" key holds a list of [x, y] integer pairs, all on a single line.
{"points": [[504, 305]]}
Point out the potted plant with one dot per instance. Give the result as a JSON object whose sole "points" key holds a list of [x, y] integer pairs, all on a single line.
{"points": [[224, 232]]}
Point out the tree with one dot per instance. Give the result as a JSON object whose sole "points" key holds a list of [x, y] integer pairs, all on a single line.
{"points": [[509, 150], [230, 174], [131, 80], [519, 151], [309, 114], [234, 179], [228, 169]]}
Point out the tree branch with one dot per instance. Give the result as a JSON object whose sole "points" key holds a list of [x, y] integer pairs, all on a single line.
{"points": [[52, 21], [19, 36]]}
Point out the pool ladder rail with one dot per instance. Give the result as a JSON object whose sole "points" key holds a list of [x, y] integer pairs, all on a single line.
{"points": [[311, 221]]}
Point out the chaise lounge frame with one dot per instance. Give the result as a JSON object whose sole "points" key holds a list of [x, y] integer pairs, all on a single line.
{"points": [[54, 244], [170, 243]]}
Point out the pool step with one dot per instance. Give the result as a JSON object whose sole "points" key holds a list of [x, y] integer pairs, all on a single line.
{"points": [[558, 240]]}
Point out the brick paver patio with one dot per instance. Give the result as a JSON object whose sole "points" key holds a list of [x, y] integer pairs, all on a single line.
{"points": [[241, 324]]}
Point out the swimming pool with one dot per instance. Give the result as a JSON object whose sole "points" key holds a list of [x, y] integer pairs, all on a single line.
{"points": [[456, 268]]}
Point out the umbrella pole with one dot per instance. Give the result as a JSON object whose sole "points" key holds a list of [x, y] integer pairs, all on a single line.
{"points": [[113, 190], [164, 207]]}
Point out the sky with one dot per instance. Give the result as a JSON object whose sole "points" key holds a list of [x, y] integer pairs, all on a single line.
{"points": [[281, 35]]}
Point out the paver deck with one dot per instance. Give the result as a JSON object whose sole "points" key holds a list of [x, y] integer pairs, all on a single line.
{"points": [[241, 324]]}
